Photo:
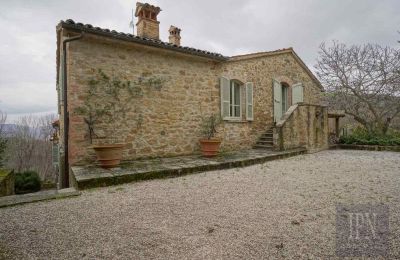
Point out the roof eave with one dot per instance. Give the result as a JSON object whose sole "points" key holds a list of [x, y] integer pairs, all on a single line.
{"points": [[139, 40], [278, 52]]}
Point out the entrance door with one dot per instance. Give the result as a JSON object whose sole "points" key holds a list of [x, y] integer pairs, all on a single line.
{"points": [[285, 98], [281, 100]]}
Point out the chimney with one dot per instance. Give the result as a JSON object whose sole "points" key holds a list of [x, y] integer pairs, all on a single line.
{"points": [[147, 25], [174, 35]]}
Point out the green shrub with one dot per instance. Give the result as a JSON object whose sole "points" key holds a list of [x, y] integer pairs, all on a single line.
{"points": [[27, 182], [361, 136]]}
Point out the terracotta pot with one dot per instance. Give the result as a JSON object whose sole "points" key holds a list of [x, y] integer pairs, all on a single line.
{"points": [[109, 155], [210, 147]]}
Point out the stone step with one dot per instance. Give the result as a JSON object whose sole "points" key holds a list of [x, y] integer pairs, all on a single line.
{"points": [[84, 177], [13, 200], [265, 142], [267, 136], [263, 146]]}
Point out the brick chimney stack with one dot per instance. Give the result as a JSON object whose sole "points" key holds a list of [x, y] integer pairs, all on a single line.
{"points": [[147, 25], [174, 35]]}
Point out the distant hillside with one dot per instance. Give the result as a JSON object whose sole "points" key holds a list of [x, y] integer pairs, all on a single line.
{"points": [[9, 129]]}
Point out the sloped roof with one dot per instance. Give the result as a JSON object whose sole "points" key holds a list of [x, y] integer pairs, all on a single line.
{"points": [[71, 24], [80, 27], [277, 52]]}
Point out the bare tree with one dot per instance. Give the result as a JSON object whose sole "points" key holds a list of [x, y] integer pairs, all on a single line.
{"points": [[364, 81], [30, 147]]}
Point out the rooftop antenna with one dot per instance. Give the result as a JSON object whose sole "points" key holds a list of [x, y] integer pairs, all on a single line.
{"points": [[132, 24]]}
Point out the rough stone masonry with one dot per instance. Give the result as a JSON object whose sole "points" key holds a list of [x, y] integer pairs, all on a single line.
{"points": [[167, 121]]}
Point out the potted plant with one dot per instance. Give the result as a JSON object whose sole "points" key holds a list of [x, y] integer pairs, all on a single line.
{"points": [[105, 106], [210, 145]]}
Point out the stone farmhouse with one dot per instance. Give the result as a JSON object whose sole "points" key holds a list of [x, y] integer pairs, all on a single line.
{"points": [[267, 100]]}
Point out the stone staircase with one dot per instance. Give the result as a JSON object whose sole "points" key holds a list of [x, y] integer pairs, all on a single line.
{"points": [[266, 140]]}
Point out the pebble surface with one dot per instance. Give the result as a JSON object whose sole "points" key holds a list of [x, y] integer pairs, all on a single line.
{"points": [[283, 209]]}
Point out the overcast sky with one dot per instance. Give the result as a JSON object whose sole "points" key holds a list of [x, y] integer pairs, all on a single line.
{"points": [[28, 36]]}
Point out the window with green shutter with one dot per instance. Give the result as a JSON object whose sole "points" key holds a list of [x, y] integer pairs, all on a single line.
{"points": [[231, 99], [235, 97]]}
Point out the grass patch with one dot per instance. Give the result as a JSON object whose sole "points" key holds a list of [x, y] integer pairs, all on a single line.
{"points": [[4, 173]]}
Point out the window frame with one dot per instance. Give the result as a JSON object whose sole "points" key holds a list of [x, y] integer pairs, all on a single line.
{"points": [[232, 105]]}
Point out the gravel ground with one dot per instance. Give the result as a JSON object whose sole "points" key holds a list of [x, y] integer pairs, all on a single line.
{"points": [[280, 209]]}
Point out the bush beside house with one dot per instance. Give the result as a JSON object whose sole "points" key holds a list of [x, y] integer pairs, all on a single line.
{"points": [[26, 182], [360, 136]]}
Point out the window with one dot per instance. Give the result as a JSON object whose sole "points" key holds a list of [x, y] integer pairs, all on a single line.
{"points": [[284, 96], [234, 100], [231, 99]]}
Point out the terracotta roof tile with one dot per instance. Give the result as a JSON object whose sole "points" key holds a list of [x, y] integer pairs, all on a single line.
{"points": [[71, 24]]}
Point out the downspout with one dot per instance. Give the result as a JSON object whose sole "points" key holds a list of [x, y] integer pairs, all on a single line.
{"points": [[65, 183]]}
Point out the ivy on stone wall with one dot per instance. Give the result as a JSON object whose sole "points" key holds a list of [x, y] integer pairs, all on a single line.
{"points": [[154, 82]]}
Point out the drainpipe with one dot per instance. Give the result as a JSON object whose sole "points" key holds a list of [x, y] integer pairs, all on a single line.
{"points": [[65, 183]]}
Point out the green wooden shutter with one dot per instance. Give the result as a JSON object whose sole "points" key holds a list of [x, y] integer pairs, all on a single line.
{"points": [[249, 101], [297, 93], [277, 100], [225, 97]]}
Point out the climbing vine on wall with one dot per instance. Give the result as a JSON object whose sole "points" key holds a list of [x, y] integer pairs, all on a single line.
{"points": [[109, 99], [154, 82]]}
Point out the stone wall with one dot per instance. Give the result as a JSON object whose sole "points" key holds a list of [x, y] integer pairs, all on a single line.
{"points": [[167, 121], [261, 71], [148, 28], [303, 125], [161, 122]]}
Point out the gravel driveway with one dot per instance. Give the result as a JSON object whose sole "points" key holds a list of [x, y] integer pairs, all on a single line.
{"points": [[280, 209]]}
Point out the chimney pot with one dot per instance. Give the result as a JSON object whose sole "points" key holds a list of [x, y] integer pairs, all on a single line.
{"points": [[147, 25], [174, 35]]}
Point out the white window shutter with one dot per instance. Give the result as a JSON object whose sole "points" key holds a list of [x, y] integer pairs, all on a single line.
{"points": [[297, 93], [277, 100], [225, 97], [249, 101]]}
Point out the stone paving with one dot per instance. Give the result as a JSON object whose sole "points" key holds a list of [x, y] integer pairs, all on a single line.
{"points": [[13, 200], [84, 177]]}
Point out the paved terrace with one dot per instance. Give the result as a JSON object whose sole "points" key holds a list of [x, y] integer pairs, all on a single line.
{"points": [[94, 176]]}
